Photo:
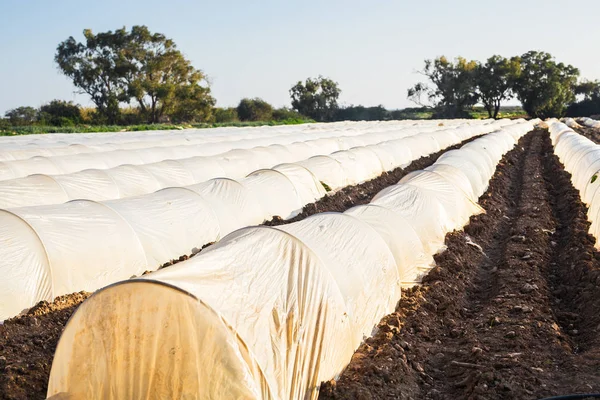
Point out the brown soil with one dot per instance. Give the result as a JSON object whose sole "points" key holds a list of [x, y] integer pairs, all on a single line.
{"points": [[591, 133], [517, 318], [27, 343]]}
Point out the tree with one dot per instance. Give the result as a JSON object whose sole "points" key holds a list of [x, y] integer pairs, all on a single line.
{"points": [[590, 90], [225, 114], [116, 67], [495, 80], [162, 80], [22, 115], [254, 110], [362, 113], [193, 103], [544, 87], [60, 113], [454, 87], [287, 114], [98, 68], [589, 93], [316, 98]]}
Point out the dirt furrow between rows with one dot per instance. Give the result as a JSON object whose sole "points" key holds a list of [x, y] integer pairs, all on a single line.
{"points": [[511, 309], [591, 133], [363, 193], [28, 342]]}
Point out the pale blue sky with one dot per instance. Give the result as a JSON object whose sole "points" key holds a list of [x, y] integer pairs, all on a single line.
{"points": [[261, 48]]}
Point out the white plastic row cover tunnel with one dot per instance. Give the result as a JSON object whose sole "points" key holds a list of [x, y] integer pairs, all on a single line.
{"points": [[266, 313], [54, 141], [581, 158], [85, 245], [571, 123], [21, 152], [172, 138], [66, 164], [206, 138], [54, 165], [132, 180], [589, 122], [61, 144]]}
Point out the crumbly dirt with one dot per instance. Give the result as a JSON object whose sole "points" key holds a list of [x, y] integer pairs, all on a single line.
{"points": [[512, 310], [591, 133], [27, 343]]}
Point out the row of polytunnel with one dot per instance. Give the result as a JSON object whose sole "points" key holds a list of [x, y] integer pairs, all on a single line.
{"points": [[56, 249], [101, 160], [589, 122], [272, 312], [581, 158], [66, 164], [28, 146], [131, 180]]}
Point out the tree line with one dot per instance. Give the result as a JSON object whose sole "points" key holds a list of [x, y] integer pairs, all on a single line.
{"points": [[546, 88], [140, 77]]}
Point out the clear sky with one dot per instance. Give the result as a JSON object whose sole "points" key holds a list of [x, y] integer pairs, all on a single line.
{"points": [[261, 48]]}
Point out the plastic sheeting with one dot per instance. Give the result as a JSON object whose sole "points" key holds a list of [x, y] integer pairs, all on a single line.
{"points": [[17, 162], [132, 180], [581, 158], [571, 123], [267, 312], [589, 122], [27, 146], [164, 225]]}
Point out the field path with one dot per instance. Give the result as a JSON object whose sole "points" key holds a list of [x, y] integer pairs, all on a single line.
{"points": [[511, 311]]}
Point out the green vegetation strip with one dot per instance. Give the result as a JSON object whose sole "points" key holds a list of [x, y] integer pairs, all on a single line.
{"points": [[35, 129]]}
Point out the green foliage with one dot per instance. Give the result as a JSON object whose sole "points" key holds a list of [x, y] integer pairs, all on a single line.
{"points": [[326, 186], [43, 129], [292, 121], [495, 80], [316, 98], [504, 112], [284, 114], [362, 113], [254, 110], [583, 108], [88, 115], [127, 116], [121, 66], [590, 103], [163, 82], [411, 113], [225, 114], [545, 87], [98, 68], [454, 87], [7, 130], [60, 113], [590, 90], [22, 115], [194, 104]]}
